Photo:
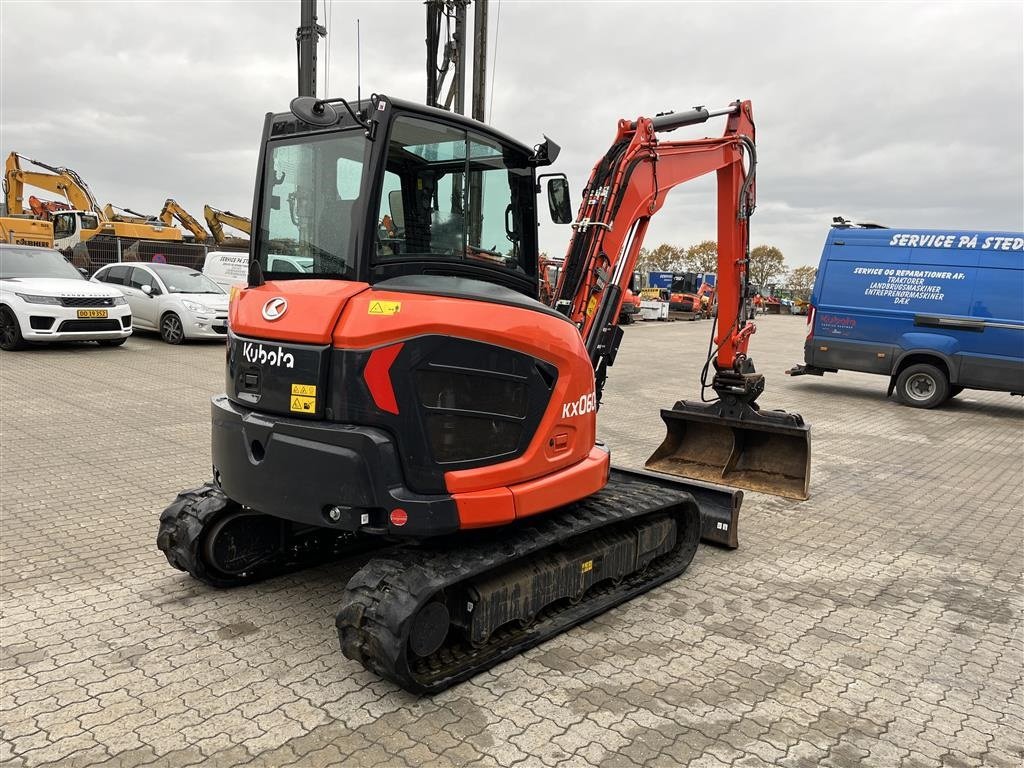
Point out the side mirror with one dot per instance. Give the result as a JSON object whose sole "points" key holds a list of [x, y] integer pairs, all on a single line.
{"points": [[558, 200], [397, 209], [148, 290]]}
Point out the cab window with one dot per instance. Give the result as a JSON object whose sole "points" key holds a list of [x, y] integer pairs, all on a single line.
{"points": [[63, 225], [453, 196]]}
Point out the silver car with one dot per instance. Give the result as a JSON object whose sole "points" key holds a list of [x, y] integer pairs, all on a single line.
{"points": [[179, 302]]}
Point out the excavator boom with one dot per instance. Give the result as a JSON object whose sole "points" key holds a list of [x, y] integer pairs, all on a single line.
{"points": [[172, 210], [216, 220], [729, 440]]}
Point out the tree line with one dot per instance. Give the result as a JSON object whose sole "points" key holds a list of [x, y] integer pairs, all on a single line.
{"points": [[767, 266]]}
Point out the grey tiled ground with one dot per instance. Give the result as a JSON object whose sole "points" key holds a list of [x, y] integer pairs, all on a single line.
{"points": [[877, 624]]}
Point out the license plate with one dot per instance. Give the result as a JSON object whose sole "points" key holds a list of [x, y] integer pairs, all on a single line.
{"points": [[92, 313]]}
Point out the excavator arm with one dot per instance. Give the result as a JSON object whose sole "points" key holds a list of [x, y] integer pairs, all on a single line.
{"points": [[172, 210], [125, 215], [217, 219], [62, 181], [728, 438], [627, 187]]}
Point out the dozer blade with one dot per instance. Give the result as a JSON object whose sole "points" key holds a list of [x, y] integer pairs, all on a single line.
{"points": [[735, 444]]}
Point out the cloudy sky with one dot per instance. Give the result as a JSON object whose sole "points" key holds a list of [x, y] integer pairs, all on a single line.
{"points": [[906, 114]]}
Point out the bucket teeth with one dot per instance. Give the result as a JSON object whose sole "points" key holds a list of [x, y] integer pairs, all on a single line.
{"points": [[734, 443]]}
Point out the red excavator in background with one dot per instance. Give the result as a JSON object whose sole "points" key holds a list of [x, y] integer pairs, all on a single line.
{"points": [[43, 209], [409, 386]]}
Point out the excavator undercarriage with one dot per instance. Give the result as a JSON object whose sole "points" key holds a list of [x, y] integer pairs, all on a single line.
{"points": [[430, 614]]}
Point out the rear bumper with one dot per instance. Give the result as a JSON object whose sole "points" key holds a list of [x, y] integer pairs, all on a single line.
{"points": [[301, 470]]}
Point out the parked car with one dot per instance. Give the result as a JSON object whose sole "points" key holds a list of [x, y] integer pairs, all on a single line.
{"points": [[44, 298], [178, 302], [935, 311]]}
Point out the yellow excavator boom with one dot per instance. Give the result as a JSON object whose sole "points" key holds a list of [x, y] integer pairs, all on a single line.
{"points": [[172, 210], [217, 219]]}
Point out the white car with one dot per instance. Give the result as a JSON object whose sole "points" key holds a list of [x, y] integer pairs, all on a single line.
{"points": [[178, 302], [44, 298]]}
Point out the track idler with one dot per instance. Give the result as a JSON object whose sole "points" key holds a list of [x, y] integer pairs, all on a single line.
{"points": [[734, 442], [223, 544]]}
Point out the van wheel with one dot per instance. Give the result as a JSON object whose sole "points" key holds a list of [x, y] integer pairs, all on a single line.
{"points": [[922, 386]]}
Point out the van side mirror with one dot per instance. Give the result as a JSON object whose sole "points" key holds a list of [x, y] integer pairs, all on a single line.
{"points": [[558, 200]]}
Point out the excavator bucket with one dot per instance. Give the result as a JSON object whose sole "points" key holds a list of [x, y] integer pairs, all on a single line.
{"points": [[738, 445]]}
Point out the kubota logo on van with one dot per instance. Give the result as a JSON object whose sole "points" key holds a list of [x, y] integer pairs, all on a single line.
{"points": [[586, 404], [257, 353]]}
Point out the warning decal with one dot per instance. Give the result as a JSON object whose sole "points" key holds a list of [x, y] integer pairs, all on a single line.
{"points": [[303, 404], [384, 307], [587, 566], [303, 398]]}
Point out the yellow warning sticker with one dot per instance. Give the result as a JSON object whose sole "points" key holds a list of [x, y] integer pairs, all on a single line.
{"points": [[591, 306], [303, 404], [384, 307], [587, 566], [305, 390]]}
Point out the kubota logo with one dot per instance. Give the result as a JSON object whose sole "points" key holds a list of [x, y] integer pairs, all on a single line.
{"points": [[586, 404], [257, 353], [274, 308]]}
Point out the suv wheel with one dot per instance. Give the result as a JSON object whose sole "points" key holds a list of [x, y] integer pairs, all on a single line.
{"points": [[10, 331], [171, 329], [922, 386]]}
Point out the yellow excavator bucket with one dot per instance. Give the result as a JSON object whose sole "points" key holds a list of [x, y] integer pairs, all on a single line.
{"points": [[737, 445]]}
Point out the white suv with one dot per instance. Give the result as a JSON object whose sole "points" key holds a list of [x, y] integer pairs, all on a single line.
{"points": [[44, 298]]}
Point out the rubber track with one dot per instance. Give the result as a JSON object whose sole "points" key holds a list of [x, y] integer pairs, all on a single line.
{"points": [[181, 530], [382, 599], [184, 523]]}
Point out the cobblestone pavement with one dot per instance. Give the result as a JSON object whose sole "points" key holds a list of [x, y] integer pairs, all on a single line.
{"points": [[876, 624]]}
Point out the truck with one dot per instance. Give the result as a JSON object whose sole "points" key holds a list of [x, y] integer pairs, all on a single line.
{"points": [[937, 311]]}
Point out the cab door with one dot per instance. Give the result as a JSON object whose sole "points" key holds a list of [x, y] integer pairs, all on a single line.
{"points": [[65, 230]]}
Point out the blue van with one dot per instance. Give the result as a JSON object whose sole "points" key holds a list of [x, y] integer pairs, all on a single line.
{"points": [[934, 310]]}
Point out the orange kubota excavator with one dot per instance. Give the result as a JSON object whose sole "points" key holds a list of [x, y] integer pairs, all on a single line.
{"points": [[407, 387]]}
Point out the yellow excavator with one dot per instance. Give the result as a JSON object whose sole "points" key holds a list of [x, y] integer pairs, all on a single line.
{"points": [[172, 210], [86, 219], [217, 220], [116, 213]]}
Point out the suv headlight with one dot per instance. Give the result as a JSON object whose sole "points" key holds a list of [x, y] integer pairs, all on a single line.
{"points": [[115, 300], [195, 306], [33, 299]]}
